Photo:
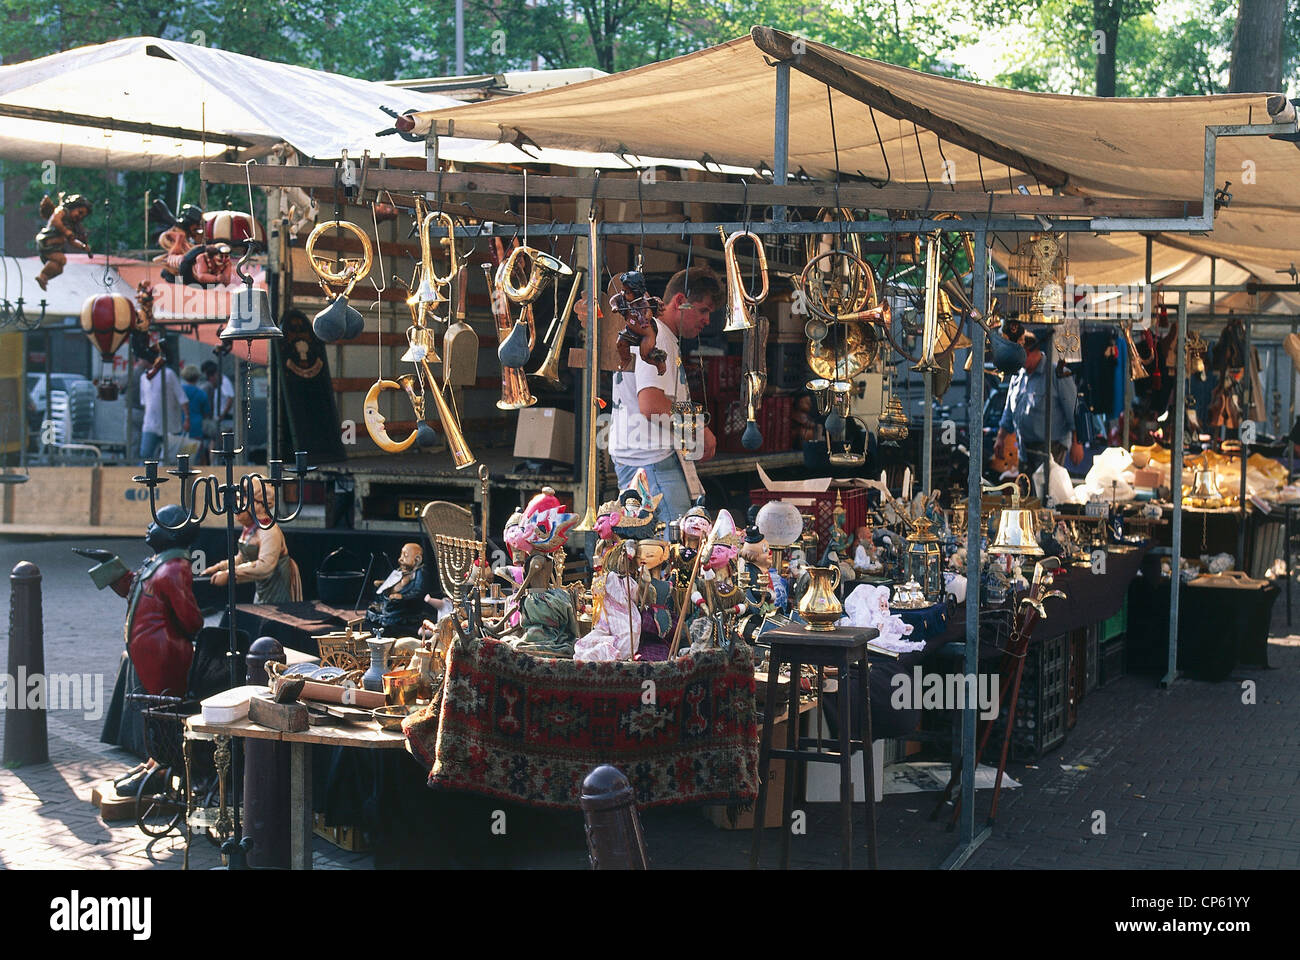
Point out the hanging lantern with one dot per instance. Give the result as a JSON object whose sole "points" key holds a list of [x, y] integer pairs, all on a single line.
{"points": [[233, 227], [922, 558], [892, 429], [108, 320]]}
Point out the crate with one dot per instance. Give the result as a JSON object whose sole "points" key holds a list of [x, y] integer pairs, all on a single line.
{"points": [[1117, 625], [1111, 665], [1078, 675], [1042, 711], [345, 838], [774, 421], [823, 507], [723, 375]]}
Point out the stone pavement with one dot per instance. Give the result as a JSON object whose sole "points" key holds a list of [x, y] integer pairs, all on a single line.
{"points": [[1186, 778]]}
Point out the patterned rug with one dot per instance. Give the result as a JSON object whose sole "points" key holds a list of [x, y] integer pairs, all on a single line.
{"points": [[529, 729]]}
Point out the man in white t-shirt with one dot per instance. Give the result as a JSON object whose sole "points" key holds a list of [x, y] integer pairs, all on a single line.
{"points": [[164, 387], [640, 431]]}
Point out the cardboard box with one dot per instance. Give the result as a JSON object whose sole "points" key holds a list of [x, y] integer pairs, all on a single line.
{"points": [[544, 433]]}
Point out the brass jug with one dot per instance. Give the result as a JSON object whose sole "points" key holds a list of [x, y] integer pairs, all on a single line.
{"points": [[819, 605]]}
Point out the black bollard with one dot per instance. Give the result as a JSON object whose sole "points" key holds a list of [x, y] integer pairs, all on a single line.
{"points": [[26, 740], [266, 777], [614, 839]]}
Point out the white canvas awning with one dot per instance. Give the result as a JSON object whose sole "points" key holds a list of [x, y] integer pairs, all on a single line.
{"points": [[166, 83]]}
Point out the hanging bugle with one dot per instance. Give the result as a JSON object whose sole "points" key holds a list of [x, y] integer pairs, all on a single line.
{"points": [[460, 452], [550, 368], [542, 269], [740, 302], [430, 288]]}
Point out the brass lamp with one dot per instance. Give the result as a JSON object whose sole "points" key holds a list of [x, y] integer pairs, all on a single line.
{"points": [[921, 560], [1017, 528], [892, 428]]}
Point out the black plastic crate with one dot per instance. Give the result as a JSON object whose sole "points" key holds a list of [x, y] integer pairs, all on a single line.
{"points": [[1043, 708], [1112, 661], [1092, 667]]}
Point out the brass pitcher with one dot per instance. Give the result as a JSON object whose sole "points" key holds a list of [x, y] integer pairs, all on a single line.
{"points": [[819, 605]]}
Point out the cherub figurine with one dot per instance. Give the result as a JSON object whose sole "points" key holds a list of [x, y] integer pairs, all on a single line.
{"points": [[62, 229], [640, 312], [184, 230]]}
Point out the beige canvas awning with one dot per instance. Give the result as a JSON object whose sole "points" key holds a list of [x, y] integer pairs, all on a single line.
{"points": [[719, 102]]}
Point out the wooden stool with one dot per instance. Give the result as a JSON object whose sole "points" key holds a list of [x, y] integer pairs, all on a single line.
{"points": [[840, 648]]}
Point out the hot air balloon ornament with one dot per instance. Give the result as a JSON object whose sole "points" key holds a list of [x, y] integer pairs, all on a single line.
{"points": [[233, 227], [108, 320]]}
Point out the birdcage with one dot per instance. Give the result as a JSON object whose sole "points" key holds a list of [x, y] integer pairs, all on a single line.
{"points": [[1036, 281]]}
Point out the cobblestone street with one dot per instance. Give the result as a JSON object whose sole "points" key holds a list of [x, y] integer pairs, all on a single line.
{"points": [[1186, 778]]}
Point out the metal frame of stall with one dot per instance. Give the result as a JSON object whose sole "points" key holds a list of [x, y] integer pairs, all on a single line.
{"points": [[990, 214]]}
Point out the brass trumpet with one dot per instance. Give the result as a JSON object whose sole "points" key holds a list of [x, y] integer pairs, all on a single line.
{"points": [[550, 368], [740, 302]]}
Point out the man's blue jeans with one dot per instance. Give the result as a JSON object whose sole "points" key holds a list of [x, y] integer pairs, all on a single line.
{"points": [[665, 477], [151, 445]]}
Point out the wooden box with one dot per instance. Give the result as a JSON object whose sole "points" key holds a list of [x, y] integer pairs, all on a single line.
{"points": [[125, 503], [53, 497]]}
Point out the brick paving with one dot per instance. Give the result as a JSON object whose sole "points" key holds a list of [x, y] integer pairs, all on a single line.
{"points": [[1186, 778]]}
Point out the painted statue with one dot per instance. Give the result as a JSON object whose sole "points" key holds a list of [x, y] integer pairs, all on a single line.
{"points": [[63, 229], [399, 610]]}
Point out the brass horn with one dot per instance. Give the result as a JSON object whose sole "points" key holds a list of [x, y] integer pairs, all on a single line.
{"points": [[543, 268], [460, 452], [842, 291], [1136, 369], [549, 371], [591, 488], [430, 289], [740, 302], [515, 394], [930, 328]]}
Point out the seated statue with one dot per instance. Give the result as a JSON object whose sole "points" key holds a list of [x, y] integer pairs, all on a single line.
{"points": [[400, 611]]}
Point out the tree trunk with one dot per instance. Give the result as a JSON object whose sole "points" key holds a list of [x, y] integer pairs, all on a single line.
{"points": [[1105, 20], [1257, 47]]}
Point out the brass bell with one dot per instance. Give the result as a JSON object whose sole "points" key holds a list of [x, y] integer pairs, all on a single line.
{"points": [[250, 310], [1205, 489], [1017, 534]]}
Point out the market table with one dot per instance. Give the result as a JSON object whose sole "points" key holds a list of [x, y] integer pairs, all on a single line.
{"points": [[365, 736]]}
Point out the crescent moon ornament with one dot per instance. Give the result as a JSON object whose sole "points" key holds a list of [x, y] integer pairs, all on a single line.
{"points": [[374, 420]]}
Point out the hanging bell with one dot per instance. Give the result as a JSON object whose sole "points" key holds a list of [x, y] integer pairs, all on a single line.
{"points": [[250, 316], [338, 321], [514, 351], [1017, 534]]}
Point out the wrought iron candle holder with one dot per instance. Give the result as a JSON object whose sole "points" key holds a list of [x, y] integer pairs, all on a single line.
{"points": [[204, 495]]}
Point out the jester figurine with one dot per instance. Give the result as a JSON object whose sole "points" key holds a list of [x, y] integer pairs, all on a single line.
{"points": [[162, 617], [616, 590], [540, 617], [63, 229]]}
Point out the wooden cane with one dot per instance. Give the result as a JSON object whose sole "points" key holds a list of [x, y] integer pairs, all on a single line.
{"points": [[690, 584]]}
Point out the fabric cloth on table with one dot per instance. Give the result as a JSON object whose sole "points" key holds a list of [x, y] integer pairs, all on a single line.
{"points": [[530, 729], [925, 622]]}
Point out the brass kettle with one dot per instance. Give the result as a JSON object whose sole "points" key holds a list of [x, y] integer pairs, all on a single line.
{"points": [[819, 605]]}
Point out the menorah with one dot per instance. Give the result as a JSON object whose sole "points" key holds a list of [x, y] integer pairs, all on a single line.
{"points": [[460, 560], [12, 314], [208, 495]]}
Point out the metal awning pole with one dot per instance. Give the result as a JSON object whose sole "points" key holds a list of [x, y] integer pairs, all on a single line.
{"points": [[1246, 414], [974, 532], [1176, 490], [781, 135]]}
